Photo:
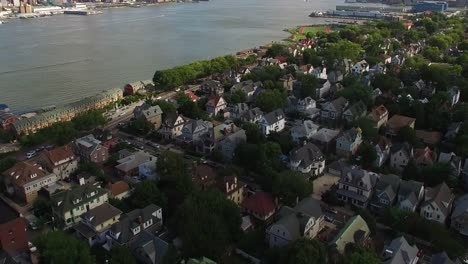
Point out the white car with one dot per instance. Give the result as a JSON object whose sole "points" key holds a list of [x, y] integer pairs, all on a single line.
{"points": [[32, 247]]}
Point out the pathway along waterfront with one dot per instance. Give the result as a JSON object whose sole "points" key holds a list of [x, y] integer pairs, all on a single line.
{"points": [[125, 45]]}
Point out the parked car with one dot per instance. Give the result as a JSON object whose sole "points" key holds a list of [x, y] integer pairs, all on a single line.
{"points": [[32, 247]]}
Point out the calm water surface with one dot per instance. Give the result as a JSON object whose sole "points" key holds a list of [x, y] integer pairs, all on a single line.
{"points": [[59, 59]]}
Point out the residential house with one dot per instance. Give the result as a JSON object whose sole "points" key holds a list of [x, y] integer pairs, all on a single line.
{"points": [[203, 176], [379, 116], [378, 68], [253, 115], [96, 222], [335, 76], [132, 224], [238, 110], [453, 160], [398, 59], [260, 205], [118, 190], [61, 161], [148, 248], [303, 131], [443, 258], [90, 149], [348, 143], [453, 130], [397, 122], [331, 112], [273, 122], [356, 186], [152, 114], [386, 192], [325, 139], [382, 147], [233, 189], [6, 119], [437, 203], [400, 155], [193, 130], [25, 179], [460, 215], [212, 87], [306, 106], [356, 231], [211, 141], [335, 168], [140, 163], [399, 251], [307, 159], [354, 112], [426, 90], [193, 97], [305, 220], [319, 73], [215, 105], [454, 95], [424, 157], [249, 88], [360, 67], [13, 236], [431, 138], [172, 125], [410, 195], [287, 82], [323, 88], [228, 145], [69, 205]]}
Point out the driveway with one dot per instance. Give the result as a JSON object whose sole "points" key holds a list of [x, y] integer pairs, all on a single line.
{"points": [[323, 184]]}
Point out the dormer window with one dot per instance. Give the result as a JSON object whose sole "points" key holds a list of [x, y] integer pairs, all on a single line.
{"points": [[361, 184], [34, 175]]}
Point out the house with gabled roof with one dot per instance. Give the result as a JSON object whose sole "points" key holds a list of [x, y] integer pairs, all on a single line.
{"points": [[193, 130], [356, 186], [152, 114], [215, 105], [248, 87], [91, 149], [273, 122], [347, 144], [303, 131], [331, 112], [172, 125], [410, 195], [253, 115], [140, 163], [424, 157], [61, 161], [443, 258], [118, 190], [212, 87], [379, 116], [132, 224], [69, 205], [437, 203], [304, 220], [287, 81], [454, 161], [354, 112], [148, 248], [238, 110], [431, 138], [232, 188], [460, 215], [26, 178], [325, 139], [400, 155], [399, 251], [356, 231], [360, 67], [382, 147], [386, 192], [307, 159], [260, 205], [228, 145]]}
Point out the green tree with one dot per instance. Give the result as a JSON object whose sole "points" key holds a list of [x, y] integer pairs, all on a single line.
{"points": [[165, 106], [290, 186], [253, 133], [310, 56], [407, 134], [367, 126], [59, 247], [367, 153], [270, 100], [146, 193], [121, 255], [207, 223], [363, 257], [370, 220], [140, 126], [309, 86], [89, 120], [7, 163], [386, 82], [305, 251], [432, 53], [276, 50]]}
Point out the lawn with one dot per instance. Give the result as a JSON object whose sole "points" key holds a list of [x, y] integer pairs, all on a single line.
{"points": [[300, 32]]}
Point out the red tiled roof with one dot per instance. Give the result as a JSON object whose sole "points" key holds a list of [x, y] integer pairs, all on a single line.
{"points": [[192, 96], [261, 203], [281, 58], [378, 111], [214, 100], [118, 188], [426, 152], [110, 143]]}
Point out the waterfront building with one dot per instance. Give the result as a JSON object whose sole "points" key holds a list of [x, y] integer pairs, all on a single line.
{"points": [[66, 112], [6, 119], [13, 236], [430, 6]]}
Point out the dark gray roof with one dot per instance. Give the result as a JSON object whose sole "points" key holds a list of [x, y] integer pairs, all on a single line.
{"points": [[353, 176], [410, 190], [66, 200], [253, 113], [307, 154], [399, 252], [406, 147], [441, 195], [358, 109], [295, 219], [461, 206], [101, 214], [388, 184], [350, 135], [133, 219], [325, 135], [149, 247], [274, 116], [442, 258], [339, 104]]}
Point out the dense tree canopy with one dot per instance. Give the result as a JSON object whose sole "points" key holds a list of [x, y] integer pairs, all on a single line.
{"points": [[289, 186], [59, 247], [270, 100]]}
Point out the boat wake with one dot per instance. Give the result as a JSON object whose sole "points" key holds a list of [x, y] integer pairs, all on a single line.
{"points": [[46, 66]]}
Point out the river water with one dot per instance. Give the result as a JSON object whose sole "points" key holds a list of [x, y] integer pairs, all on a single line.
{"points": [[59, 59]]}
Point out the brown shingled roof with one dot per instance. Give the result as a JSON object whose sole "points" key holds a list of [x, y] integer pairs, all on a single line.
{"points": [[429, 137], [25, 172], [398, 121], [118, 188], [56, 155]]}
